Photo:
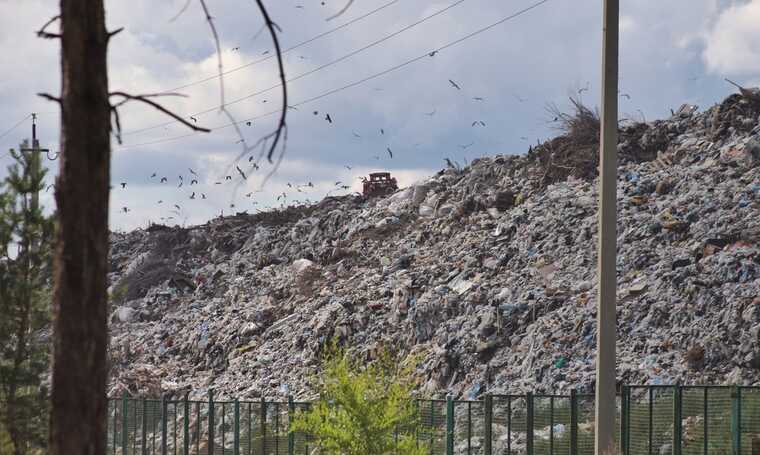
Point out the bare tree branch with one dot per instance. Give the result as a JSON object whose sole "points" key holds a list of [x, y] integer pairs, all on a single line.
{"points": [[43, 34], [149, 95], [182, 10], [281, 125], [49, 97], [117, 121], [277, 134], [115, 32], [343, 10], [148, 101]]}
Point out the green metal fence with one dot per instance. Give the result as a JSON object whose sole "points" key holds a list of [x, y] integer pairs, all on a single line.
{"points": [[651, 420]]}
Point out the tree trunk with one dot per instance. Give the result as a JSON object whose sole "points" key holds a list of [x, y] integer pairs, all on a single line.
{"points": [[79, 403]]}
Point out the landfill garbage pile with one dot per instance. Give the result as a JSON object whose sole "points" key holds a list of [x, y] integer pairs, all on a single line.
{"points": [[487, 272]]}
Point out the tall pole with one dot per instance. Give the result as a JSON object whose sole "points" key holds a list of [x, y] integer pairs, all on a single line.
{"points": [[606, 263]]}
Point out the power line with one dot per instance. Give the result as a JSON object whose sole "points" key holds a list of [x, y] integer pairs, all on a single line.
{"points": [[355, 83], [307, 73], [285, 51], [14, 126]]}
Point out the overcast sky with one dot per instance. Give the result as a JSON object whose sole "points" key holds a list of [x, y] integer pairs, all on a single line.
{"points": [[671, 52]]}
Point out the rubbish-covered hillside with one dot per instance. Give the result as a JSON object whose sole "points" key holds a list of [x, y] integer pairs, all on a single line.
{"points": [[487, 271]]}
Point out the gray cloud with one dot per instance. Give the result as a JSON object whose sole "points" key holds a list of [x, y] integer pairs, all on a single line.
{"points": [[671, 52]]}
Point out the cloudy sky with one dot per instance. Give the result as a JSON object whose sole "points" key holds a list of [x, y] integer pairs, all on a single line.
{"points": [[672, 52]]}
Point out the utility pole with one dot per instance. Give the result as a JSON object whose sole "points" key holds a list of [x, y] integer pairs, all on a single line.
{"points": [[606, 249], [35, 161]]}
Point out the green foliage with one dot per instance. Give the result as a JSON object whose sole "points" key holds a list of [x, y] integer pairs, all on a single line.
{"points": [[25, 245], [362, 409]]}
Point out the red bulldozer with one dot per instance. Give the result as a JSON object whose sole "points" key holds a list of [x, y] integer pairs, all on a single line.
{"points": [[379, 184]]}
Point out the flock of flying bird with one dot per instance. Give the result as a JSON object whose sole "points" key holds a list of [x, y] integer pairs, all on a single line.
{"points": [[300, 188], [309, 186]]}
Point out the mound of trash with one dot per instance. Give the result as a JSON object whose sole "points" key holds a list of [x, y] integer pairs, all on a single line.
{"points": [[487, 272]]}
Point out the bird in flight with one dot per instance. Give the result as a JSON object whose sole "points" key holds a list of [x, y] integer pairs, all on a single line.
{"points": [[432, 54], [192, 196], [123, 185], [389, 152], [455, 85], [583, 89], [228, 177], [248, 123], [241, 172], [382, 131], [203, 196], [193, 182], [160, 201], [192, 172], [338, 183], [479, 122], [163, 179], [125, 209], [625, 95], [465, 146], [328, 118], [180, 185], [478, 98], [236, 48], [431, 113], [348, 167], [178, 207], [194, 119], [153, 175], [355, 134]]}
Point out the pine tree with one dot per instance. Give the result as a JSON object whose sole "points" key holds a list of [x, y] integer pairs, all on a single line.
{"points": [[25, 239]]}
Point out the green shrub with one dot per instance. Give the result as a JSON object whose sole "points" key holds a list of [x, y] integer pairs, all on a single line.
{"points": [[362, 409]]}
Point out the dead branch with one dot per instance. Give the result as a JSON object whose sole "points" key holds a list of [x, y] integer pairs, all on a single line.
{"points": [[148, 95], [181, 11], [281, 125], [111, 34], [43, 34], [49, 97], [117, 121], [342, 10], [148, 101]]}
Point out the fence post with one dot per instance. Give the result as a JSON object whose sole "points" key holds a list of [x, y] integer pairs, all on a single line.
{"points": [[236, 436], [186, 426], [573, 422], [291, 434], [650, 426], [144, 421], [449, 425], [211, 423], [677, 419], [706, 430], [488, 416], [164, 419], [529, 423], [124, 433], [263, 424], [736, 420]]}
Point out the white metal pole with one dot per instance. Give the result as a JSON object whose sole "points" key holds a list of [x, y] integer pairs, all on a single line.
{"points": [[606, 270]]}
